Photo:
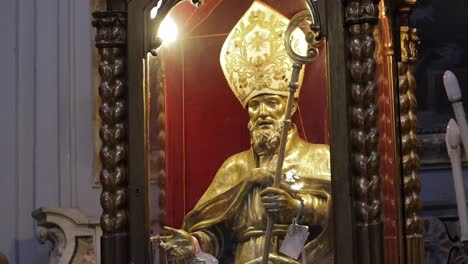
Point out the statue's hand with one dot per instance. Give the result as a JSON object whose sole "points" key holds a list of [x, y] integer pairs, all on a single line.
{"points": [[262, 176], [178, 245], [277, 201]]}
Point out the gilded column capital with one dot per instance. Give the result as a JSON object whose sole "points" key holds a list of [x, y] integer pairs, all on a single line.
{"points": [[409, 41], [413, 45]]}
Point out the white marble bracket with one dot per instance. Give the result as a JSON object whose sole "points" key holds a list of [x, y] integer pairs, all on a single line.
{"points": [[62, 226]]}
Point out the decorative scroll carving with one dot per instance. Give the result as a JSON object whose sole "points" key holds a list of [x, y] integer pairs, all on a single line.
{"points": [[57, 237], [360, 20], [409, 42], [111, 41], [63, 227]]}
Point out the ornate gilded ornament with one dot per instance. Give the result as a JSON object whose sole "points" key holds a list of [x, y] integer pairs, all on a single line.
{"points": [[413, 45], [254, 58], [409, 145]]}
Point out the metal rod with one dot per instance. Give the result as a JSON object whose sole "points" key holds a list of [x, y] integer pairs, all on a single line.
{"points": [[282, 149]]}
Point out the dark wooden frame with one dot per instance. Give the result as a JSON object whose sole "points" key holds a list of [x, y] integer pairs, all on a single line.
{"points": [[340, 145], [357, 239], [138, 169], [344, 179]]}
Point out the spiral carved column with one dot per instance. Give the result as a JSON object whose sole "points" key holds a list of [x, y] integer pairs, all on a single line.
{"points": [[409, 144], [360, 20], [161, 144], [111, 42], [158, 134]]}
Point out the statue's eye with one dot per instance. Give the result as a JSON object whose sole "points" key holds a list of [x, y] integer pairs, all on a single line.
{"points": [[253, 105], [273, 103]]}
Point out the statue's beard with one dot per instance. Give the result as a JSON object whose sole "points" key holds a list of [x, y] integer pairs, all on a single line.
{"points": [[265, 141]]}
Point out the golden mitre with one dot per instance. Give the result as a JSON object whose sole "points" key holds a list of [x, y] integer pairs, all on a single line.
{"points": [[254, 58]]}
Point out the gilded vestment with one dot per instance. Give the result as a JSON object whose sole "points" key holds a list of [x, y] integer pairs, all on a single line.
{"points": [[229, 220]]}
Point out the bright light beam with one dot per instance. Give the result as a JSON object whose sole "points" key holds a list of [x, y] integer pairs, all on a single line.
{"points": [[168, 31]]}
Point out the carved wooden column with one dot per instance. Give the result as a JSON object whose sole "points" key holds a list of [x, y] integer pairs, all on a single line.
{"points": [[157, 135], [161, 141], [360, 20], [409, 42], [111, 40]]}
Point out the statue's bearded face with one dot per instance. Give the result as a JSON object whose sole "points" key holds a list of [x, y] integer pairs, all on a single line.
{"points": [[266, 112]]}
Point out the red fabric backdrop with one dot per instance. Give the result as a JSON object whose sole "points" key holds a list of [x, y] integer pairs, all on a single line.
{"points": [[205, 121]]}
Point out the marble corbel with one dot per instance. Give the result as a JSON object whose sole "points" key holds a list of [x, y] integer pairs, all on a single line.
{"points": [[64, 227]]}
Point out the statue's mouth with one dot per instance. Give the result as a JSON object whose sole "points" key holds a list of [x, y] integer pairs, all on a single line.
{"points": [[265, 123]]}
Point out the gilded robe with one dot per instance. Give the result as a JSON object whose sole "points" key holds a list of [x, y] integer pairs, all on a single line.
{"points": [[230, 222]]}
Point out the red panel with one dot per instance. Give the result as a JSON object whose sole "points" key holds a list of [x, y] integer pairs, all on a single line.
{"points": [[205, 121], [312, 115], [174, 130], [215, 123]]}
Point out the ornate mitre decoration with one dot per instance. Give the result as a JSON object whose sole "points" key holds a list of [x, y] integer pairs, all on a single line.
{"points": [[254, 58]]}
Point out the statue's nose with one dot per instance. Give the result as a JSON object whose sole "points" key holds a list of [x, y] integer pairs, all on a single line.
{"points": [[262, 111]]}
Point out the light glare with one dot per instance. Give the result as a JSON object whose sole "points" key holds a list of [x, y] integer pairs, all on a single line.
{"points": [[168, 31]]}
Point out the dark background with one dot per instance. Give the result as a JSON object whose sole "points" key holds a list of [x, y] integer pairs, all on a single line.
{"points": [[443, 30]]}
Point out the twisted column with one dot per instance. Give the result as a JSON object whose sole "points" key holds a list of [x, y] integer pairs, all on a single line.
{"points": [[111, 42], [158, 143], [360, 19], [409, 42], [161, 156]]}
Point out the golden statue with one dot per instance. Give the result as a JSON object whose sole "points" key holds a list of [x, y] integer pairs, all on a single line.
{"points": [[229, 220]]}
